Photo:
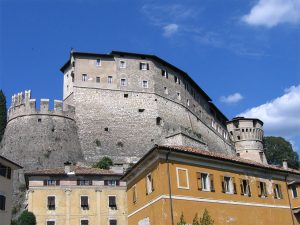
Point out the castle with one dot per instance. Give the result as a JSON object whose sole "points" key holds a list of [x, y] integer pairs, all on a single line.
{"points": [[120, 105]]}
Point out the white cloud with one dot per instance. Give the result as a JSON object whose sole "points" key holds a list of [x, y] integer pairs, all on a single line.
{"points": [[234, 98], [170, 29], [270, 13], [281, 116]]}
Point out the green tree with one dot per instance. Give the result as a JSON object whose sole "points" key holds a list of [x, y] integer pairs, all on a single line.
{"points": [[3, 118], [26, 218], [206, 219], [278, 149], [104, 163], [181, 220], [196, 220]]}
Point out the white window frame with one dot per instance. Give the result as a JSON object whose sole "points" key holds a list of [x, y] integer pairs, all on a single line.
{"points": [[277, 193], [230, 185], [149, 183], [122, 64], [146, 82], [88, 201], [109, 79], [207, 182], [293, 191], [98, 63], [125, 82], [187, 178], [144, 65]]}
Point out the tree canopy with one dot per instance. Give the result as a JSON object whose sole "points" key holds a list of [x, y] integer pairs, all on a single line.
{"points": [[26, 218], [278, 149], [3, 118], [104, 163]]}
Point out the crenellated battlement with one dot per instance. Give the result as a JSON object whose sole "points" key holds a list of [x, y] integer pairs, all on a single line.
{"points": [[23, 105]]}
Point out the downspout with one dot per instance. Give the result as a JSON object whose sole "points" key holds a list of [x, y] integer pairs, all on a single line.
{"points": [[287, 188], [169, 186]]}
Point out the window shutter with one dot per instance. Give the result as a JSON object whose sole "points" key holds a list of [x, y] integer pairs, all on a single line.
{"points": [[146, 185], [45, 182], [242, 186], [223, 184], [258, 188], [212, 187], [117, 183], [162, 72], [199, 181], [57, 182], [106, 183], [90, 182], [140, 66], [274, 190], [78, 182], [152, 183], [8, 172], [249, 189], [280, 192], [234, 185], [265, 189]]}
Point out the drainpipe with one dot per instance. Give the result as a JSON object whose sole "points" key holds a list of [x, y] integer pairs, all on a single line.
{"points": [[287, 188], [169, 186]]}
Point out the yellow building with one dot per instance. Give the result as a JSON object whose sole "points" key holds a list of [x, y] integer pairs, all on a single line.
{"points": [[173, 180], [77, 196], [6, 189]]}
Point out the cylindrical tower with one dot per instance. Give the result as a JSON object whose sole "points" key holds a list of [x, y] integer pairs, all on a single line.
{"points": [[247, 135], [40, 138]]}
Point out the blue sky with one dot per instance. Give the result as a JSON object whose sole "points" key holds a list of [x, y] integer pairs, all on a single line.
{"points": [[244, 53]]}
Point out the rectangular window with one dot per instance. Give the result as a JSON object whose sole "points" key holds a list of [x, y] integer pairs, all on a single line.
{"points": [[228, 185], [112, 203], [84, 202], [3, 170], [134, 195], [51, 202], [84, 222], [294, 191], [123, 82], [109, 79], [205, 182], [245, 187], [97, 79], [176, 79], [144, 66], [84, 77], [145, 84], [51, 182], [182, 178], [262, 189], [98, 62], [164, 73], [2, 202], [149, 184], [277, 191], [51, 222], [122, 64], [111, 182], [112, 222], [84, 182]]}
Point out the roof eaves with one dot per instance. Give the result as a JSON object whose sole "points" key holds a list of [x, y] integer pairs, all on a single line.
{"points": [[11, 162]]}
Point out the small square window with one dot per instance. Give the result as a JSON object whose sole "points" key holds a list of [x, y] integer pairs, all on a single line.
{"points": [[109, 79], [125, 95], [122, 64], [106, 129], [98, 62], [123, 82], [84, 222], [112, 222], [144, 66], [97, 79], [164, 73], [145, 84]]}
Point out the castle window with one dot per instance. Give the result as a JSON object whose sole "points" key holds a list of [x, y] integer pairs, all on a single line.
{"points": [[158, 121], [123, 82], [84, 202], [166, 90], [294, 191], [106, 129], [5, 171], [238, 137], [2, 202], [245, 187], [149, 184], [205, 182], [176, 79], [72, 76], [109, 79], [97, 79], [125, 95], [182, 178], [262, 189], [112, 222], [98, 62], [188, 102], [112, 203], [277, 191], [134, 194], [145, 84], [51, 202], [141, 110], [84, 222], [144, 66], [164, 73], [228, 185], [84, 77], [122, 64], [39, 120], [178, 96], [50, 222]]}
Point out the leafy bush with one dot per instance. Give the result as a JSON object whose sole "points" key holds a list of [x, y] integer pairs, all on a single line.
{"points": [[104, 163], [26, 218]]}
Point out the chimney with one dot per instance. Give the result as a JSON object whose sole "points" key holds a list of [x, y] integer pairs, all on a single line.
{"points": [[67, 167], [284, 164]]}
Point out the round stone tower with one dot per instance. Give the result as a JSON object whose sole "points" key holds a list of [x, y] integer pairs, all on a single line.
{"points": [[40, 138], [247, 135]]}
